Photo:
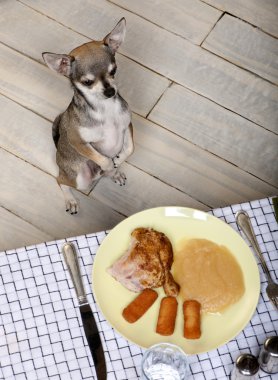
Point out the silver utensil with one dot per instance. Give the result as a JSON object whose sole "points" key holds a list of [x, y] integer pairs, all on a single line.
{"points": [[244, 223], [89, 323]]}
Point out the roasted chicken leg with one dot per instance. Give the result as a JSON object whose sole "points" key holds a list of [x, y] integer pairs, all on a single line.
{"points": [[146, 263]]}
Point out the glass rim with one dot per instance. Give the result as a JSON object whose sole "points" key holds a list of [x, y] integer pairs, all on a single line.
{"points": [[178, 350], [172, 345]]}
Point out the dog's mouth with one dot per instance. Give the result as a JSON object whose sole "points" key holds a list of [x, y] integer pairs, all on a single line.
{"points": [[109, 92]]}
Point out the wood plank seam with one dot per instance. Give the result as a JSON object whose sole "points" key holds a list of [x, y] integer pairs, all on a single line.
{"points": [[254, 26], [212, 100], [22, 53], [170, 84], [206, 150], [169, 184], [242, 68], [227, 60], [25, 220], [51, 18], [30, 163], [29, 109], [213, 26], [232, 14], [221, 105]]}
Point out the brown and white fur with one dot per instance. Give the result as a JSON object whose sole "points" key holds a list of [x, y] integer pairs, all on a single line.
{"points": [[94, 135]]}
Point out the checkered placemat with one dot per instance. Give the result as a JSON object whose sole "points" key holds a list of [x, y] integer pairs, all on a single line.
{"points": [[41, 333]]}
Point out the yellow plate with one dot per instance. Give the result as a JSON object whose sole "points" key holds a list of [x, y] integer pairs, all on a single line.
{"points": [[177, 223]]}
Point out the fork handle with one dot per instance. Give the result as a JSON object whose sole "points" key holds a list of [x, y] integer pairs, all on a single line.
{"points": [[244, 222]]}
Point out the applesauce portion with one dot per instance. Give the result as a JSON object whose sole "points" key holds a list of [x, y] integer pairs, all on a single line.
{"points": [[208, 273]]}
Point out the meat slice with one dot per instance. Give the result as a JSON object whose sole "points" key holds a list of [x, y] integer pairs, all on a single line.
{"points": [[146, 263]]}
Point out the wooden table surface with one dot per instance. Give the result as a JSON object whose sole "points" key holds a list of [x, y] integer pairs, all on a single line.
{"points": [[201, 79]]}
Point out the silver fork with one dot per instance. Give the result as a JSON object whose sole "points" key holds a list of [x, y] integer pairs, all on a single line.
{"points": [[244, 222]]}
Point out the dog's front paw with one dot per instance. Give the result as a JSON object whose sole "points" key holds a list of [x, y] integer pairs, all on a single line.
{"points": [[116, 161], [119, 178], [72, 206]]}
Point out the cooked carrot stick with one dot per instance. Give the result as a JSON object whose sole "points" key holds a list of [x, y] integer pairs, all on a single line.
{"points": [[167, 316], [139, 305], [192, 319]]}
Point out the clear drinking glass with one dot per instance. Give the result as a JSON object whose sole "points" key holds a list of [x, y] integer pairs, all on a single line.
{"points": [[164, 361]]}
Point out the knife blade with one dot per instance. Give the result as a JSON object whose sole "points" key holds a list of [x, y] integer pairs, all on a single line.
{"points": [[89, 323]]}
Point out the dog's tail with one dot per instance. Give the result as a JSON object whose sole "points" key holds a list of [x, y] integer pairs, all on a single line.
{"points": [[55, 130]]}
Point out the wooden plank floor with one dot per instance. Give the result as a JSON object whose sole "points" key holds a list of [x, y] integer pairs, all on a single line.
{"points": [[201, 79]]}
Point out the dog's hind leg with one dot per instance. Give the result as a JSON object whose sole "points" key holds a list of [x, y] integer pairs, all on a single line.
{"points": [[81, 179], [66, 187], [71, 202]]}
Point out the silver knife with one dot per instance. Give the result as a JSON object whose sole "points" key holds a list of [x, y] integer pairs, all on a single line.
{"points": [[89, 323]]}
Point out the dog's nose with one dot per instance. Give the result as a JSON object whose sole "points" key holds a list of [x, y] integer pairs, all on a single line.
{"points": [[109, 92]]}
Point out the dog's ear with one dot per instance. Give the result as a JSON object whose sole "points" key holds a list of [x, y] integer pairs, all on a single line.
{"points": [[116, 37], [61, 63]]}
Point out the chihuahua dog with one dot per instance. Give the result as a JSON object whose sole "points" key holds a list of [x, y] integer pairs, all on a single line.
{"points": [[94, 135]]}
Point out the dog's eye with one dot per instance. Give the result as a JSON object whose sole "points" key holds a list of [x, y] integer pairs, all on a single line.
{"points": [[113, 72], [88, 82]]}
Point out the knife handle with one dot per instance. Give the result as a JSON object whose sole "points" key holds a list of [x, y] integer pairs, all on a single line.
{"points": [[71, 259]]}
